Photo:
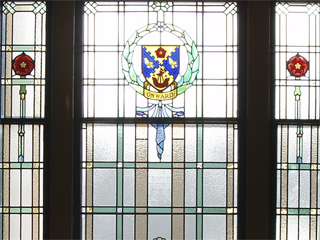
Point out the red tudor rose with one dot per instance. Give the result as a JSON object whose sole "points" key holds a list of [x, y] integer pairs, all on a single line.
{"points": [[23, 64], [298, 66], [161, 53]]}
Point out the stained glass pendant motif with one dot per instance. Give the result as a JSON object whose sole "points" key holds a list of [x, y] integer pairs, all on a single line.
{"points": [[22, 65]]}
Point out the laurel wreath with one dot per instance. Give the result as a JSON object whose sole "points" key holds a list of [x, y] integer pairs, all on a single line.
{"points": [[186, 80]]}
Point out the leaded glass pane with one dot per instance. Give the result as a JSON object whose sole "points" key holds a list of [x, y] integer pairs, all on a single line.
{"points": [[297, 108], [23, 46], [153, 71]]}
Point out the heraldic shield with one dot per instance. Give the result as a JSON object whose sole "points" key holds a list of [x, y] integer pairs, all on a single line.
{"points": [[160, 66]]}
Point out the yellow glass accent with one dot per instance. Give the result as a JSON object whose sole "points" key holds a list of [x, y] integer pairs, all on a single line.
{"points": [[23, 64], [230, 165], [8, 81], [35, 210], [89, 165], [37, 81], [313, 211], [284, 166], [38, 48], [8, 48], [90, 82], [314, 166], [160, 95], [6, 210], [23, 96], [36, 165], [89, 209], [230, 210], [297, 66], [284, 211], [6, 165]]}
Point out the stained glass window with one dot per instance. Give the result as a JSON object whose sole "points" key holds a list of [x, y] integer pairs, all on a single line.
{"points": [[297, 113], [159, 130], [22, 118]]}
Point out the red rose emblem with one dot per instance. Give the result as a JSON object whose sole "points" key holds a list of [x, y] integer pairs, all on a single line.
{"points": [[298, 66], [161, 53], [23, 64]]}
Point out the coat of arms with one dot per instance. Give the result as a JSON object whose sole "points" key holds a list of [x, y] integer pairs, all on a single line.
{"points": [[162, 77]]}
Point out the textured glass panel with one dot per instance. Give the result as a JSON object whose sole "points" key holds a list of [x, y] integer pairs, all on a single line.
{"points": [[104, 187], [214, 138], [214, 188], [104, 227], [159, 185], [159, 226], [214, 227]]}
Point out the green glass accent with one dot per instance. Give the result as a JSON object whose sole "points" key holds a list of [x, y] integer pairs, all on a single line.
{"points": [[215, 210], [90, 7], [23, 48], [128, 210], [305, 166], [199, 187], [120, 142], [119, 226], [292, 211], [159, 210], [200, 140], [26, 165], [297, 93], [190, 165], [22, 90], [9, 8], [304, 211], [104, 210], [190, 210], [129, 165], [293, 166], [159, 238], [15, 210], [120, 187], [215, 165], [159, 5], [15, 165], [199, 227], [104, 165], [160, 165], [26, 210], [23, 81], [39, 8]]}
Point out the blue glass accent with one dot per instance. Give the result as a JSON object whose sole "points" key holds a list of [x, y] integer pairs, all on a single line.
{"points": [[21, 158]]}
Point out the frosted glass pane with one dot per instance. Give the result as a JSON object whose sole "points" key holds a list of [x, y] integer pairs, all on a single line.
{"points": [[190, 187], [104, 227], [159, 226], [15, 226], [103, 95], [293, 189], [23, 35], [26, 187], [214, 188], [128, 187], [105, 142], [214, 140], [293, 227], [159, 186], [191, 142], [128, 227], [304, 227], [26, 227], [15, 188], [214, 227], [104, 187], [305, 189], [190, 227]]}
